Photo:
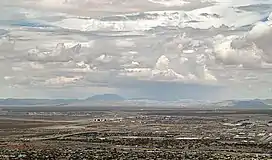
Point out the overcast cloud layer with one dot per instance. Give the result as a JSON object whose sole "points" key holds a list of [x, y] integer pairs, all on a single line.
{"points": [[163, 49]]}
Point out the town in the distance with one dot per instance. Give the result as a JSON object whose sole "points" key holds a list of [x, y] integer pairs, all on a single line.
{"points": [[112, 127]]}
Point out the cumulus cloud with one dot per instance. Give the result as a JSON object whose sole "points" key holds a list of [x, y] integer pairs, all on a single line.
{"points": [[250, 50], [104, 58], [180, 45], [162, 63], [230, 52], [59, 54], [62, 80], [259, 30], [208, 75], [162, 71]]}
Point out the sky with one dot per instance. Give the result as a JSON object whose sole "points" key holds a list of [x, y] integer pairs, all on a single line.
{"points": [[162, 49]]}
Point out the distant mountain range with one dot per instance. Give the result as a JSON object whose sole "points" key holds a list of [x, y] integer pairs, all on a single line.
{"points": [[96, 98], [256, 103], [117, 100]]}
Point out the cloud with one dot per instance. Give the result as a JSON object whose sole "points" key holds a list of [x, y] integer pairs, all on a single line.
{"points": [[63, 80], [250, 50], [188, 50], [232, 51], [162, 63], [59, 54], [259, 30], [7, 44], [169, 2], [163, 71]]}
